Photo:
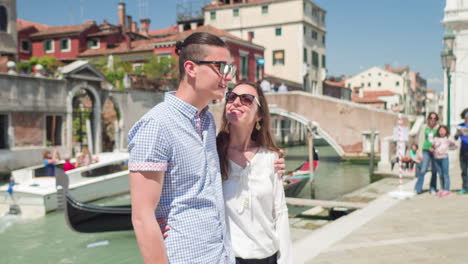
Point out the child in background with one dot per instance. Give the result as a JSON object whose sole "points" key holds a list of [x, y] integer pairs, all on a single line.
{"points": [[440, 148], [416, 158], [67, 165]]}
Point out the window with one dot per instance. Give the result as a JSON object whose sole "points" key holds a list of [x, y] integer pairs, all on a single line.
{"points": [[235, 12], [323, 39], [324, 65], [3, 19], [368, 84], [244, 67], [258, 72], [94, 44], [137, 66], [213, 15], [314, 35], [26, 46], [54, 130], [397, 83], [163, 55], [65, 45], [278, 31], [369, 74], [278, 57], [315, 59], [305, 30], [251, 35], [314, 12], [379, 84], [305, 55], [265, 9], [48, 46], [3, 131]]}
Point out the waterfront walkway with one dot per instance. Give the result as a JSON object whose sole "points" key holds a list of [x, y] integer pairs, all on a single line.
{"points": [[424, 229]]}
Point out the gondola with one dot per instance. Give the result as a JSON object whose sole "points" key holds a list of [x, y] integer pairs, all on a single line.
{"points": [[87, 218]]}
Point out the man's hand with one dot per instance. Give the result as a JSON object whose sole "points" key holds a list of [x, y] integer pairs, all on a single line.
{"points": [[279, 164]]}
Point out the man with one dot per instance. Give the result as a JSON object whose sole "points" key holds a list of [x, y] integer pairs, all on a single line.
{"points": [[462, 133], [282, 88], [174, 165], [265, 85], [430, 132]]}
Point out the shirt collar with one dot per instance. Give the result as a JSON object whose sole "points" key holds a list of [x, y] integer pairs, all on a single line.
{"points": [[185, 108]]}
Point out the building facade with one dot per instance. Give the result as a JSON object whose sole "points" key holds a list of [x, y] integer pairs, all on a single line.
{"points": [[376, 82], [8, 35], [456, 21], [387, 86], [292, 32]]}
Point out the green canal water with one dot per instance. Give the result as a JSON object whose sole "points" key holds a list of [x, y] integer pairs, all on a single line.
{"points": [[49, 240]]}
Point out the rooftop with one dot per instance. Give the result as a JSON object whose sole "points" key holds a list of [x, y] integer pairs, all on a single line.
{"points": [[60, 30]]}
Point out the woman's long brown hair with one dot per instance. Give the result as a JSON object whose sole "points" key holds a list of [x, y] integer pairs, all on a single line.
{"points": [[262, 137]]}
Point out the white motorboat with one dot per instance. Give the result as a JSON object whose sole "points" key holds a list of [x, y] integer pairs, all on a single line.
{"points": [[33, 195]]}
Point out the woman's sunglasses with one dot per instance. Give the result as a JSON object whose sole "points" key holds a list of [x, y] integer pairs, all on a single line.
{"points": [[245, 99]]}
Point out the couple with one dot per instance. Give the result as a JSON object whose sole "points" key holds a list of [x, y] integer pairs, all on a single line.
{"points": [[176, 173]]}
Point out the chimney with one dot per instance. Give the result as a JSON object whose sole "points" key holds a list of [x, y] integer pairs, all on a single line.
{"points": [[250, 36], [145, 24], [134, 27], [129, 22], [121, 13], [387, 67]]}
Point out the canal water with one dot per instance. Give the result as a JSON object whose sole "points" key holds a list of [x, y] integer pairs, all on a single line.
{"points": [[49, 240]]}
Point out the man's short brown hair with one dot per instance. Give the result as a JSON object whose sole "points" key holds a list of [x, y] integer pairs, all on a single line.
{"points": [[194, 48]]}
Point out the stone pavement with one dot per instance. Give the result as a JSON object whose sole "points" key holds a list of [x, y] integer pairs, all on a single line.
{"points": [[424, 229]]}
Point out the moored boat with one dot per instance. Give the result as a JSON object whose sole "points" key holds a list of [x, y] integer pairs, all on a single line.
{"points": [[33, 195]]}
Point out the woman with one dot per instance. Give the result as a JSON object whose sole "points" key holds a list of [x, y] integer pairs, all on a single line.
{"points": [[256, 210]]}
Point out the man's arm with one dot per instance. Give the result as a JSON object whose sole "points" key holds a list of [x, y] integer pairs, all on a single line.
{"points": [[145, 191]]}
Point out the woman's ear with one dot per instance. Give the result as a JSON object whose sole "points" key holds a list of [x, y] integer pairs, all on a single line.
{"points": [[190, 68]]}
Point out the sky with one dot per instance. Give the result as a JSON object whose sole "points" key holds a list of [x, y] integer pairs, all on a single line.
{"points": [[360, 33]]}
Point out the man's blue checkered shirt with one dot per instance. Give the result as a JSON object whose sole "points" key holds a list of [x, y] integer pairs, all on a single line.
{"points": [[175, 138]]}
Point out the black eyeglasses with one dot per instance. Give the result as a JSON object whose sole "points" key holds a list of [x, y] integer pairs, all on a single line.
{"points": [[245, 99], [224, 68]]}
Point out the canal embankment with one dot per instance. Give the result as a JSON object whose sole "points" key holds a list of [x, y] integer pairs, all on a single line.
{"points": [[423, 229]]}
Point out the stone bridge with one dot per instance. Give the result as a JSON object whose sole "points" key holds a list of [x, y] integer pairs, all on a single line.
{"points": [[346, 126]]}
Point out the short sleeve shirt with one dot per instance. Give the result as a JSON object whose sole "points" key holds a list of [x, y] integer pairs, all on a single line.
{"points": [[176, 138]]}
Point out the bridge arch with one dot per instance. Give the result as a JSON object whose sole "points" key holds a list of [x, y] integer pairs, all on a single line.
{"points": [[311, 126]]}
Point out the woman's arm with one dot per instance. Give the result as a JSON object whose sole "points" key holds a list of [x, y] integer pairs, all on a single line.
{"points": [[282, 222]]}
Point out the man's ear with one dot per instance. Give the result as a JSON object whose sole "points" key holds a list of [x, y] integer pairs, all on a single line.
{"points": [[190, 67]]}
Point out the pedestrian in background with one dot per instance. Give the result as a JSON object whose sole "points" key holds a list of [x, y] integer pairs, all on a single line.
{"points": [[462, 134], [429, 132], [440, 148]]}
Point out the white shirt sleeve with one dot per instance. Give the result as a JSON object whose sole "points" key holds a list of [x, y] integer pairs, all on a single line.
{"points": [[282, 222]]}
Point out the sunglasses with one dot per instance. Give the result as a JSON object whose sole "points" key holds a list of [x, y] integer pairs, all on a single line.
{"points": [[224, 68], [245, 99]]}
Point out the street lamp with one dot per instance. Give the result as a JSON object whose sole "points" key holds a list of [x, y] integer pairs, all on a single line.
{"points": [[448, 64]]}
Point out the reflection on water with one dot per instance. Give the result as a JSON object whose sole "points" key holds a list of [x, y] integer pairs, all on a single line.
{"points": [[49, 240], [333, 178]]}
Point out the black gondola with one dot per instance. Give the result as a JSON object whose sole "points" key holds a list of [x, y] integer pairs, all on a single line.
{"points": [[86, 218]]}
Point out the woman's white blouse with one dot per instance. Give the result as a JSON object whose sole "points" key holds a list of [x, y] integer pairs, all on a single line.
{"points": [[256, 211]]}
